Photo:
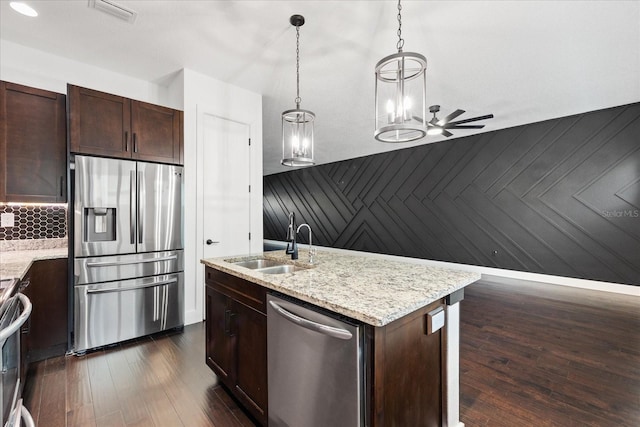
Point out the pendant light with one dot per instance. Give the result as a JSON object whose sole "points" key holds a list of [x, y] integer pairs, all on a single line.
{"points": [[297, 124], [400, 97]]}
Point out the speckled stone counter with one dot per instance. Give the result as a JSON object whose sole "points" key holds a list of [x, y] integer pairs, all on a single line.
{"points": [[17, 263], [373, 290]]}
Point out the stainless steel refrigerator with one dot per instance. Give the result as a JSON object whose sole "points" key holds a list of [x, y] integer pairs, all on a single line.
{"points": [[128, 250]]}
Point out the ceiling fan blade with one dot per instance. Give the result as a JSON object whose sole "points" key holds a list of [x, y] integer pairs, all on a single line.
{"points": [[450, 117], [452, 126], [446, 133], [419, 119], [473, 119]]}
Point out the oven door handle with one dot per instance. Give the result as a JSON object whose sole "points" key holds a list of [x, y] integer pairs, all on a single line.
{"points": [[26, 417], [16, 324], [20, 412]]}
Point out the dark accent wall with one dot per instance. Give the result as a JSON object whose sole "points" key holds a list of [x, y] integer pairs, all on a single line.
{"points": [[560, 197]]}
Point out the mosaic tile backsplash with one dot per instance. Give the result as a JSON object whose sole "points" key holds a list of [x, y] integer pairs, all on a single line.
{"points": [[35, 222]]}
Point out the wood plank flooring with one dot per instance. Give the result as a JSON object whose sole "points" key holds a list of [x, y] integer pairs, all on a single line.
{"points": [[543, 355], [154, 381], [530, 356]]}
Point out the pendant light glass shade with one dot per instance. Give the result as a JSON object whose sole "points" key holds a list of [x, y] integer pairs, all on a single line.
{"points": [[297, 137], [401, 82], [297, 124], [401, 92]]}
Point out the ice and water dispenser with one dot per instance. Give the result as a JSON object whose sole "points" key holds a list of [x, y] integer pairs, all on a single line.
{"points": [[99, 224]]}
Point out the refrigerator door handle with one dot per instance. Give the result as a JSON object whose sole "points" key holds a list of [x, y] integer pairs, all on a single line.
{"points": [[132, 262], [155, 304], [131, 288], [331, 331], [132, 208], [165, 301], [141, 195]]}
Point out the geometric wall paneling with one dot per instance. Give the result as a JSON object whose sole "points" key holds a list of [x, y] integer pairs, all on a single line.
{"points": [[559, 197]]}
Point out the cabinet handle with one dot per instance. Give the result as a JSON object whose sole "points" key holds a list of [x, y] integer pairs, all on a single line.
{"points": [[126, 141], [61, 185], [135, 143], [227, 315]]}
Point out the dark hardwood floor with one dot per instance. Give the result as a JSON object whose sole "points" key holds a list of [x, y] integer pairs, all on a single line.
{"points": [[538, 355], [154, 381], [530, 356]]}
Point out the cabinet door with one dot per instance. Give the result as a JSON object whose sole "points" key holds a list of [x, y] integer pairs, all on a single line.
{"points": [[99, 123], [48, 321], [219, 339], [251, 356], [156, 133], [33, 148]]}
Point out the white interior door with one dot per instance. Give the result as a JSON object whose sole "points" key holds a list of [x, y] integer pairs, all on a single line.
{"points": [[226, 204]]}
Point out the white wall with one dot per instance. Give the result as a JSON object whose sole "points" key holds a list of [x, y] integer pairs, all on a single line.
{"points": [[31, 67], [184, 90]]}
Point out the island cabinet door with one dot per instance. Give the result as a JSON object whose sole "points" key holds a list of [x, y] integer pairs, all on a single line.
{"points": [[219, 336], [251, 357]]}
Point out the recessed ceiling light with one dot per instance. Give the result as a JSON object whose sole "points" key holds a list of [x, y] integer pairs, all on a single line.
{"points": [[23, 8]]}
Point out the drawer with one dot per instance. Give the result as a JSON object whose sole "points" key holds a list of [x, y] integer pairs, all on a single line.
{"points": [[241, 290]]}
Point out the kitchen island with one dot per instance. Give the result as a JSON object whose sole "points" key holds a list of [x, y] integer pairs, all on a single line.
{"points": [[410, 318]]}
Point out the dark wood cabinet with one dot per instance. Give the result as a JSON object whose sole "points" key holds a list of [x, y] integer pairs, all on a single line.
{"points": [[219, 342], [33, 145], [45, 333], [236, 341], [108, 125], [406, 371]]}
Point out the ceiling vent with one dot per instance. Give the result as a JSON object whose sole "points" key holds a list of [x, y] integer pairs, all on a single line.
{"points": [[114, 9]]}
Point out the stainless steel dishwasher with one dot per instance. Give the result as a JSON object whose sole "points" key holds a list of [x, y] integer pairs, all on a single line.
{"points": [[315, 367]]}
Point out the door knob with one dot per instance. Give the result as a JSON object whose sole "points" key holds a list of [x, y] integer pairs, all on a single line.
{"points": [[210, 242]]}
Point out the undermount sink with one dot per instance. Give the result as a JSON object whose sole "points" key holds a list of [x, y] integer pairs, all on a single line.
{"points": [[255, 264], [267, 266], [280, 269]]}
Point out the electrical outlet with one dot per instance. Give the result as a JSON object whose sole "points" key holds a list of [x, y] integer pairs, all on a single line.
{"points": [[7, 219]]}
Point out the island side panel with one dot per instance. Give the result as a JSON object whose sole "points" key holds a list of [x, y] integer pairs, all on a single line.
{"points": [[406, 383]]}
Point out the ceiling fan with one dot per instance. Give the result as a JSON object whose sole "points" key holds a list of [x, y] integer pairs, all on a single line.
{"points": [[441, 126]]}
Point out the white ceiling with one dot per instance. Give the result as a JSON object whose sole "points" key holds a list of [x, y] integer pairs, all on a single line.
{"points": [[523, 61]]}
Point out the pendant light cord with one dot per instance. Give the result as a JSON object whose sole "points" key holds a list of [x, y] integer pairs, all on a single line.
{"points": [[298, 99], [400, 43]]}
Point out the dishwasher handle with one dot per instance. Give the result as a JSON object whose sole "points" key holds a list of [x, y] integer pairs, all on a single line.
{"points": [[331, 331]]}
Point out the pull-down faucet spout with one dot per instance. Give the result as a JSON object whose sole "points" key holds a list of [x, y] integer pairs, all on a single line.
{"points": [[312, 251]]}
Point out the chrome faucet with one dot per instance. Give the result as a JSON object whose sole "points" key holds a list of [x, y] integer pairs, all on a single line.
{"points": [[312, 251], [292, 246]]}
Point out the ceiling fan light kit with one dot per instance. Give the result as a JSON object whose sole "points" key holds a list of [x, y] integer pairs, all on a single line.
{"points": [[297, 124]]}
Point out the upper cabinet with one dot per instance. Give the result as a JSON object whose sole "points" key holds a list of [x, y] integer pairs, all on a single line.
{"points": [[33, 145], [108, 125]]}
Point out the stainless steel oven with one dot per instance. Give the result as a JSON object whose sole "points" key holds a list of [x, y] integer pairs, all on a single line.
{"points": [[15, 309]]}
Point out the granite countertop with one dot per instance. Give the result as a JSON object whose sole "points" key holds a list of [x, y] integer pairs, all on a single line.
{"points": [[373, 290], [17, 263]]}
